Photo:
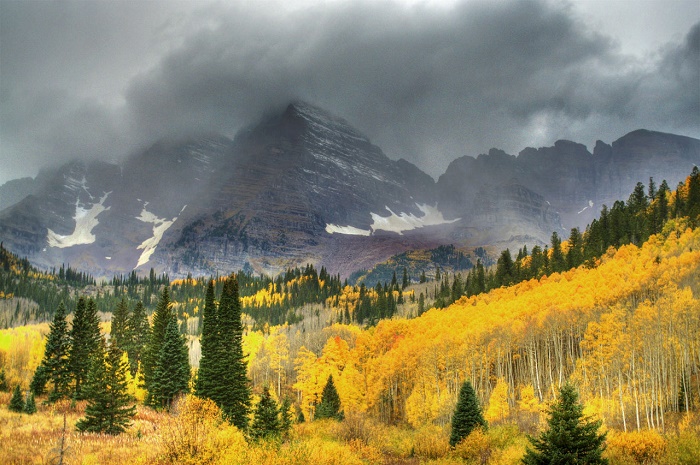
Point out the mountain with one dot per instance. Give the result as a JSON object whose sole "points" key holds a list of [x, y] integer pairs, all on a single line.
{"points": [[303, 186], [565, 183]]}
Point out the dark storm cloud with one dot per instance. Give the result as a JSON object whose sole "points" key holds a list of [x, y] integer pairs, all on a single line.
{"points": [[426, 84]]}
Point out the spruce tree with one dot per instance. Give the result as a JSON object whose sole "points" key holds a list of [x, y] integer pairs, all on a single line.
{"points": [[54, 367], [161, 318], [266, 422], [569, 438], [139, 336], [209, 347], [3, 380], [30, 404], [285, 416], [330, 402], [171, 376], [39, 380], [110, 408], [120, 333], [467, 415], [232, 390], [17, 401], [85, 343]]}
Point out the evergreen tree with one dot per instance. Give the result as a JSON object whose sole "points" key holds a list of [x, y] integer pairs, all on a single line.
{"points": [[421, 304], [139, 336], [286, 419], [232, 390], [574, 256], [110, 408], [330, 402], [404, 281], [39, 380], [266, 423], [17, 401], [467, 415], [30, 404], [171, 376], [54, 366], [85, 343], [209, 347], [569, 438], [505, 269], [161, 317], [557, 262], [3, 380], [120, 333]]}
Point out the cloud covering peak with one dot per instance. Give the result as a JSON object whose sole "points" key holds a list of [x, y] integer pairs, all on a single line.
{"points": [[426, 83]]}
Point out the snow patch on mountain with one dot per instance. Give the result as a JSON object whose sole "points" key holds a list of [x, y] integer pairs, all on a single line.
{"points": [[590, 205], [396, 223], [160, 225], [350, 230], [85, 222]]}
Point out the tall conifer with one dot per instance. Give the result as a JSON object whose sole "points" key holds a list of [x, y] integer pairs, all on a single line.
{"points": [[120, 332], [161, 318], [110, 408], [330, 402], [569, 438], [210, 347], [139, 336], [85, 342], [232, 390], [171, 376], [467, 414], [54, 367], [266, 423]]}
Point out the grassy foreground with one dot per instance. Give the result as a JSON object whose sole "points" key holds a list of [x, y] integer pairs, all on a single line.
{"points": [[196, 435]]}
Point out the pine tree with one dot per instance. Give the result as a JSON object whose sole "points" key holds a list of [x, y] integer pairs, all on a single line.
{"points": [[30, 404], [232, 390], [85, 342], [557, 263], [569, 438], [266, 422], [109, 409], [54, 367], [330, 402], [17, 401], [286, 419], [421, 304], [467, 415], [3, 380], [404, 281], [172, 372], [120, 325], [139, 336], [39, 380], [161, 318], [209, 347]]}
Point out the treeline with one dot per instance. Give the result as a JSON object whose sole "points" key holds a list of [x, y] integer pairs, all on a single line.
{"points": [[367, 306], [645, 213]]}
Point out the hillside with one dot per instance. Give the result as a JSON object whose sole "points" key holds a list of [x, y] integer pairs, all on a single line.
{"points": [[623, 328]]}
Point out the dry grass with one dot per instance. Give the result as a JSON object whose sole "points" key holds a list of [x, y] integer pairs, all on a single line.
{"points": [[35, 439]]}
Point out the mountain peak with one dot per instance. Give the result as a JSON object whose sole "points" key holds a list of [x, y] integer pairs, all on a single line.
{"points": [[318, 119]]}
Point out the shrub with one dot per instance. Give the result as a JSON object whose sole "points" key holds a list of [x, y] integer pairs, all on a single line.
{"points": [[474, 448], [197, 433], [641, 447], [431, 442]]}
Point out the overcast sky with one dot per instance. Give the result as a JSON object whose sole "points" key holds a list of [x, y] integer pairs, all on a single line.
{"points": [[427, 81]]}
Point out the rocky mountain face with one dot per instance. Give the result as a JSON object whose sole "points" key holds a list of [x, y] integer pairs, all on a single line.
{"points": [[560, 187], [304, 186]]}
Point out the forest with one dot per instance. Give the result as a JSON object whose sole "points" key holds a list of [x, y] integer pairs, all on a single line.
{"points": [[328, 372]]}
